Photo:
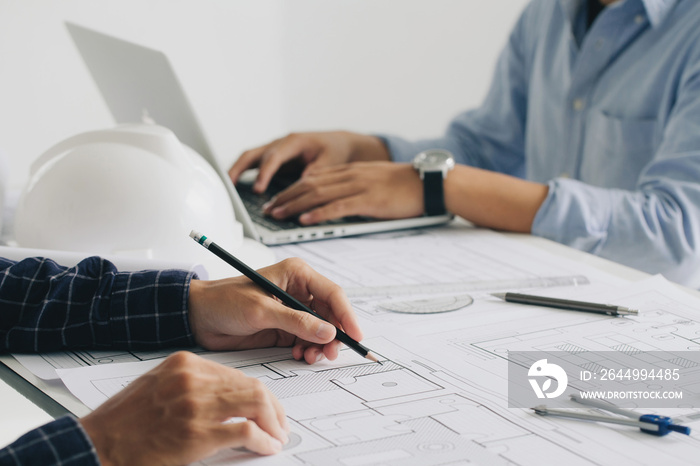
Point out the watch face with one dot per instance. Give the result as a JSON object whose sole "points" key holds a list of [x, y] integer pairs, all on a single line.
{"points": [[434, 160]]}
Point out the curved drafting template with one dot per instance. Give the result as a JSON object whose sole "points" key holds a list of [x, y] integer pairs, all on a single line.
{"points": [[428, 305]]}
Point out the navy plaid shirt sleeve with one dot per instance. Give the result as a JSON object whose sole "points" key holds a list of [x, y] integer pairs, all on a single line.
{"points": [[62, 442], [47, 307]]}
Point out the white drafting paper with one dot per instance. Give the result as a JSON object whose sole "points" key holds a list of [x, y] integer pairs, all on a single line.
{"points": [[93, 385], [45, 365], [421, 270], [440, 396]]}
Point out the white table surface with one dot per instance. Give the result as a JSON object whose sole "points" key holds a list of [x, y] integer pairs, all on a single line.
{"points": [[18, 414]]}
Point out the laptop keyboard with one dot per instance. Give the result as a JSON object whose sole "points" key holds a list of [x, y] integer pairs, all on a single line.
{"points": [[253, 203]]}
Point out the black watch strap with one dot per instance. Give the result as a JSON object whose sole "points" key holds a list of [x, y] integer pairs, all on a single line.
{"points": [[433, 194]]}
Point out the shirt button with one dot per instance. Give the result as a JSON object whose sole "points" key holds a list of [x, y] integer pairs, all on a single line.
{"points": [[639, 19], [579, 104]]}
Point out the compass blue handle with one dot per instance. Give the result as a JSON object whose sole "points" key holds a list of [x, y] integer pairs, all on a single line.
{"points": [[665, 424]]}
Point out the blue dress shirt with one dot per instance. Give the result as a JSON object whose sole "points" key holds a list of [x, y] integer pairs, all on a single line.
{"points": [[608, 118], [46, 307]]}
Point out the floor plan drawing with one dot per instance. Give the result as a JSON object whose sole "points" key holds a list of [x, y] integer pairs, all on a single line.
{"points": [[44, 365], [408, 410], [367, 413]]}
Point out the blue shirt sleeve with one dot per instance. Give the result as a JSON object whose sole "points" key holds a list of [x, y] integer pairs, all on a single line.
{"points": [[48, 307], [62, 442]]}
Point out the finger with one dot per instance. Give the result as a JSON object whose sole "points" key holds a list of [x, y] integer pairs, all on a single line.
{"points": [[255, 403], [299, 350], [295, 190], [299, 323], [304, 186], [313, 354], [318, 168], [317, 353], [275, 156], [332, 349], [246, 160], [268, 414], [279, 412], [314, 197], [233, 394], [329, 299], [246, 434], [281, 416]]}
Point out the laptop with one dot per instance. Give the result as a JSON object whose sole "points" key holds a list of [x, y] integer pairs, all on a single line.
{"points": [[139, 84]]}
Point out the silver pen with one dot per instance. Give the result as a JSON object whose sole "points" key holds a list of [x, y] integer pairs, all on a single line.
{"points": [[566, 304]]}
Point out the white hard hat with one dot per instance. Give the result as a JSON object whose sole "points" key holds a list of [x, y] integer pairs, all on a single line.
{"points": [[133, 190]]}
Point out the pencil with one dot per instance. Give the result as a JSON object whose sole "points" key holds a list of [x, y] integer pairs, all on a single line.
{"points": [[278, 292], [566, 304]]}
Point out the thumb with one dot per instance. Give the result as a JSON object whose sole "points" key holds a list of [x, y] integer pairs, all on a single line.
{"points": [[304, 325]]}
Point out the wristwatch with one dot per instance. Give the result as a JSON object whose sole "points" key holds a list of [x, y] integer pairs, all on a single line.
{"points": [[432, 166]]}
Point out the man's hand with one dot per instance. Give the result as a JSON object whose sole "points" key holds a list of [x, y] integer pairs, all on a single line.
{"points": [[374, 189], [313, 150], [235, 313], [175, 414]]}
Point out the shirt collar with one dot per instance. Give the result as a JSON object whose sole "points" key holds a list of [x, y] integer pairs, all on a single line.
{"points": [[656, 10]]}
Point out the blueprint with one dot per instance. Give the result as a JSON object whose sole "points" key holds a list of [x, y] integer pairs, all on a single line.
{"points": [[440, 394], [44, 365], [426, 403], [414, 272], [349, 411]]}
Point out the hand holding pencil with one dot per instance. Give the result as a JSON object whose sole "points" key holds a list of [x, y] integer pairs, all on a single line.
{"points": [[263, 308]]}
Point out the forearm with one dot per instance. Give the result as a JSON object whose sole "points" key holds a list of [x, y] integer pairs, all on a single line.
{"points": [[493, 200], [47, 307]]}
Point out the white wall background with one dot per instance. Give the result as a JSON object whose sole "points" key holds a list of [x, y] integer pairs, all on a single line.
{"points": [[255, 69]]}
